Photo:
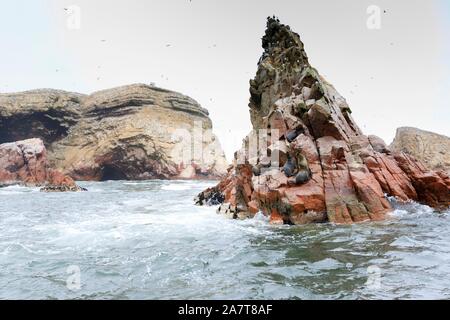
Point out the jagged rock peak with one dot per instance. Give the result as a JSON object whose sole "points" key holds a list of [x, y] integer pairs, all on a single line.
{"points": [[286, 80], [279, 37], [306, 159]]}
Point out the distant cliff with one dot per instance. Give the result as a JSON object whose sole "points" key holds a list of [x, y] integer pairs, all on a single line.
{"points": [[131, 132], [431, 148]]}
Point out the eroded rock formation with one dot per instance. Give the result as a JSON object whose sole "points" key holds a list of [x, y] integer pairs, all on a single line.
{"points": [[312, 163], [131, 132], [25, 162], [431, 148]]}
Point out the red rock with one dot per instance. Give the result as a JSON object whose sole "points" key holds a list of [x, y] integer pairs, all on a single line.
{"points": [[308, 148], [433, 188], [349, 173], [277, 125], [343, 205], [25, 162], [318, 117], [278, 151], [253, 207], [393, 180], [308, 197], [56, 178], [370, 194], [276, 218]]}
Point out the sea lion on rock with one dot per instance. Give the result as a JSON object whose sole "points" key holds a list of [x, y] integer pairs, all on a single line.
{"points": [[302, 177], [290, 167], [293, 134], [256, 171], [302, 162]]}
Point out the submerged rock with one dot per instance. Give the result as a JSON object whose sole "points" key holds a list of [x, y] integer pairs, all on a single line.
{"points": [[431, 148], [62, 188], [25, 162], [134, 132], [333, 173]]}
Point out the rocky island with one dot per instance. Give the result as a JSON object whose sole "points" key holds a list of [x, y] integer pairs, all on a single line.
{"points": [[134, 132], [312, 163]]}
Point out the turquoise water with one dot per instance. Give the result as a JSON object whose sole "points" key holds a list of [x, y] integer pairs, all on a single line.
{"points": [[146, 240]]}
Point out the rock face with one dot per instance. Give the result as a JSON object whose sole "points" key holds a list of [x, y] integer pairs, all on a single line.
{"points": [[431, 148], [131, 132], [306, 160], [25, 162]]}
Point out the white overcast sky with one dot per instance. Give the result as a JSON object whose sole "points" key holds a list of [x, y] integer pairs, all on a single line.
{"points": [[396, 76]]}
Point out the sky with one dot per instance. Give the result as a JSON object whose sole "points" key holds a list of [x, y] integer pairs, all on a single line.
{"points": [[397, 75]]}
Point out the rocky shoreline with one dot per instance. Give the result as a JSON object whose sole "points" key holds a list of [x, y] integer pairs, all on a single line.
{"points": [[306, 160]]}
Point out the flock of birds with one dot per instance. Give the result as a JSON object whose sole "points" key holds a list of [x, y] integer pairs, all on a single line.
{"points": [[169, 45]]}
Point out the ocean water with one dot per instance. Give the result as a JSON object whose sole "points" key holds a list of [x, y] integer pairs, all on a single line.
{"points": [[146, 240]]}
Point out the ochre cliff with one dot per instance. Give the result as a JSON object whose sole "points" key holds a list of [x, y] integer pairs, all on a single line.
{"points": [[131, 132], [306, 159], [431, 148]]}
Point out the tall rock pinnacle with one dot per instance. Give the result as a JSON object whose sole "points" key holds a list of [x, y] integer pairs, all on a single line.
{"points": [[306, 159]]}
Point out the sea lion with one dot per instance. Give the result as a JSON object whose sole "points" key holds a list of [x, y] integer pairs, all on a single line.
{"points": [[256, 171], [291, 135], [302, 177], [302, 162], [290, 167]]}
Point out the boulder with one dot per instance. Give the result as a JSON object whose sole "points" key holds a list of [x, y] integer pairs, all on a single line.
{"points": [[332, 172], [25, 162]]}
